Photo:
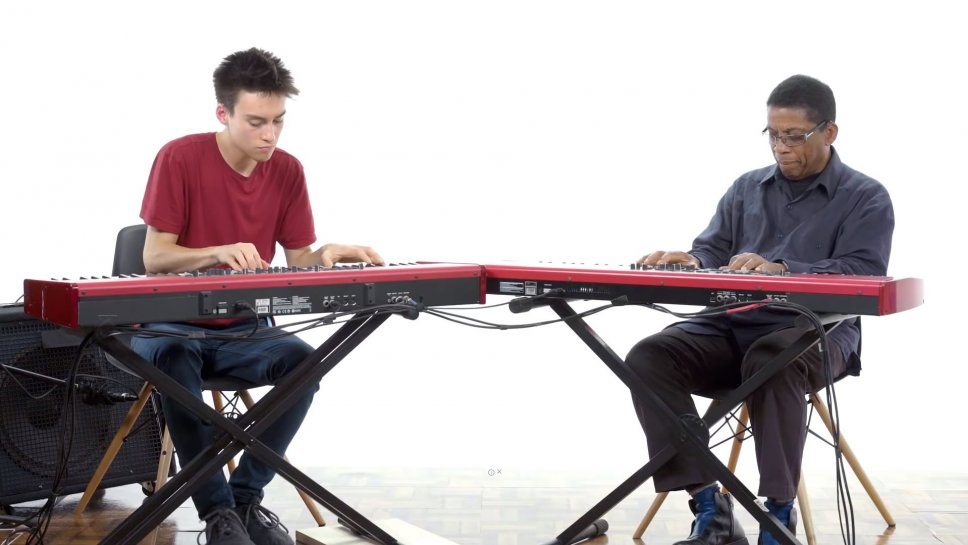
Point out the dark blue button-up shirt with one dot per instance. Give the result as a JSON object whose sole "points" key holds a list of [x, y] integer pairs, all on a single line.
{"points": [[841, 224]]}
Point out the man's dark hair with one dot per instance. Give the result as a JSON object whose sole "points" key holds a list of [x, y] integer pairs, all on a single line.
{"points": [[809, 94], [253, 70]]}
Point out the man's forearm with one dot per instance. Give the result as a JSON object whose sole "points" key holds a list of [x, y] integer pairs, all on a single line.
{"points": [[175, 259]]}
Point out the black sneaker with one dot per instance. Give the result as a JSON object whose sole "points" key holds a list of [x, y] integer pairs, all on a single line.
{"points": [[263, 525], [224, 527]]}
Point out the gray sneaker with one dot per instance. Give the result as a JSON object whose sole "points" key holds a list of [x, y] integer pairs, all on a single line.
{"points": [[263, 525], [224, 527]]}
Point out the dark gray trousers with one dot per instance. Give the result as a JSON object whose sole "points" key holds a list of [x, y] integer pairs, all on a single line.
{"points": [[676, 364]]}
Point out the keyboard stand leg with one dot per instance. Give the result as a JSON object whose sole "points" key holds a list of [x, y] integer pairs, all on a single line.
{"points": [[241, 433]]}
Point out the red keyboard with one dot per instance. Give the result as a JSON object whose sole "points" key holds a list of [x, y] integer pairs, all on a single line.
{"points": [[222, 293], [826, 293]]}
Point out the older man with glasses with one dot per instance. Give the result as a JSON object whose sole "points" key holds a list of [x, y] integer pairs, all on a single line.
{"points": [[807, 213]]}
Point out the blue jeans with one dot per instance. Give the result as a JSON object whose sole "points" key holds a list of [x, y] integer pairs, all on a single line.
{"points": [[192, 361]]}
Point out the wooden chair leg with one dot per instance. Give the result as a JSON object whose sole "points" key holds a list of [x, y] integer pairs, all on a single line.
{"points": [[311, 505], [650, 514], [803, 499], [824, 414], [164, 461], [248, 401], [744, 419], [806, 513], [116, 443]]}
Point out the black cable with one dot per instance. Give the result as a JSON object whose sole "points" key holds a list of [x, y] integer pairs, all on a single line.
{"points": [[38, 527], [481, 307], [451, 316], [12, 372], [329, 319], [23, 388], [255, 317]]}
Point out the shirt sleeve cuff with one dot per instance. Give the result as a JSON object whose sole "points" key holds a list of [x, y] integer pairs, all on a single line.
{"points": [[794, 266]]}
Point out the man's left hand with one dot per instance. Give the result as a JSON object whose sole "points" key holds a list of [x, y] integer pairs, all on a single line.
{"points": [[331, 254], [753, 262]]}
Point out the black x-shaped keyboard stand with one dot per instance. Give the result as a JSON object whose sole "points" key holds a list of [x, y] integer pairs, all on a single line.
{"points": [[692, 438], [241, 433]]}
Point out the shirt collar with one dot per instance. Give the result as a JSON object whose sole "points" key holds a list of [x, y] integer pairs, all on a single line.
{"points": [[829, 177]]}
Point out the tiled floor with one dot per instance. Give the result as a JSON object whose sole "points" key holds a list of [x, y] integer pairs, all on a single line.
{"points": [[509, 507]]}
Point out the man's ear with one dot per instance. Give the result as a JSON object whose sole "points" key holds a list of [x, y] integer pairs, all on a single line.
{"points": [[222, 114], [830, 132]]}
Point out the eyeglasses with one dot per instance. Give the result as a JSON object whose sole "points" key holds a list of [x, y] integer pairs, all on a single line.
{"points": [[792, 140]]}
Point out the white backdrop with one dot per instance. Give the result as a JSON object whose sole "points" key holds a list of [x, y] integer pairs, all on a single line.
{"points": [[481, 131]]}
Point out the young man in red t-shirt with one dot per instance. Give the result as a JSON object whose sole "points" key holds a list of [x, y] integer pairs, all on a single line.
{"points": [[224, 200]]}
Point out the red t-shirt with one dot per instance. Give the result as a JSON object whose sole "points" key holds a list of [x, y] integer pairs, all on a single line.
{"points": [[193, 193]]}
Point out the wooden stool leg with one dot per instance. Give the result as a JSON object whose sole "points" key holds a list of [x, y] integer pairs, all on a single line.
{"points": [[806, 514], [116, 443], [650, 514], [164, 461], [744, 418], [311, 505], [821, 409], [247, 400]]}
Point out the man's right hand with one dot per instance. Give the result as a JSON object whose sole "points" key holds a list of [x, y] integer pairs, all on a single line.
{"points": [[239, 256], [662, 257]]}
